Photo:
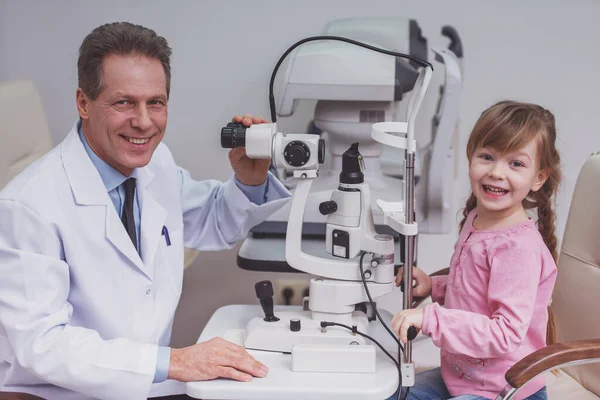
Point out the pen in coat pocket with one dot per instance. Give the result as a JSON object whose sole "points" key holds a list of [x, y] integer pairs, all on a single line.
{"points": [[165, 233]]}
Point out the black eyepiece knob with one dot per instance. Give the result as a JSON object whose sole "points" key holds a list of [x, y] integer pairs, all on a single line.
{"points": [[233, 135]]}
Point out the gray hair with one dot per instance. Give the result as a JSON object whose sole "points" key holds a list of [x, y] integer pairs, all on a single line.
{"points": [[119, 38]]}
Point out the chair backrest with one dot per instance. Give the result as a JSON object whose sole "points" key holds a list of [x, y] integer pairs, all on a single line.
{"points": [[24, 133], [576, 298]]}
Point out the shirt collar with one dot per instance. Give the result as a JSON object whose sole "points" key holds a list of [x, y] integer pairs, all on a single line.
{"points": [[111, 177]]}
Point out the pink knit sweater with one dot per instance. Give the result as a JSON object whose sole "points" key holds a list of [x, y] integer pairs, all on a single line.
{"points": [[491, 310]]}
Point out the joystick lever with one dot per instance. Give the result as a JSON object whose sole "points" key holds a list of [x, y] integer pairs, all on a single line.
{"points": [[264, 292]]}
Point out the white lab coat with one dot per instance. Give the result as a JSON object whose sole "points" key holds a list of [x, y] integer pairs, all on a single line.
{"points": [[81, 313]]}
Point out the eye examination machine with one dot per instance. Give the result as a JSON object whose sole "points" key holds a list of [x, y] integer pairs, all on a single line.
{"points": [[352, 215], [346, 220], [356, 87]]}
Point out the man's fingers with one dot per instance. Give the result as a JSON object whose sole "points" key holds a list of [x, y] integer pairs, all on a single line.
{"points": [[245, 120], [249, 365], [232, 373], [241, 360], [248, 119], [235, 155], [246, 363], [259, 120]]}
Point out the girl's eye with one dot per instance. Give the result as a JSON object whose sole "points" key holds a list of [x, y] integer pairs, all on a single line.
{"points": [[517, 164], [486, 157]]}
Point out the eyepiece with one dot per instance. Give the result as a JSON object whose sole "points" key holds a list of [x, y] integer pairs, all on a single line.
{"points": [[351, 168], [233, 135]]}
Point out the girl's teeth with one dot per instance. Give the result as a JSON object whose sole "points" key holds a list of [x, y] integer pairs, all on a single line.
{"points": [[495, 191]]}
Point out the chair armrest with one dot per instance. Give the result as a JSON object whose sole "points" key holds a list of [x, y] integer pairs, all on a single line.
{"points": [[441, 272], [18, 396], [577, 352]]}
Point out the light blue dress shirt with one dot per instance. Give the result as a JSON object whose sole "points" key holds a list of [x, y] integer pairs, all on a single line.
{"points": [[113, 181]]}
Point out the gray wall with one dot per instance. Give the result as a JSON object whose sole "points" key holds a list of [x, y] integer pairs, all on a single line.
{"points": [[539, 51]]}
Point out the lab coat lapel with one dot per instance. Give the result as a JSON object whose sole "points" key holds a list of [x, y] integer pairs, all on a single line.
{"points": [[89, 190], [153, 218]]}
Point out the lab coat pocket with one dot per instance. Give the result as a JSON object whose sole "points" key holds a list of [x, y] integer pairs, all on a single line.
{"points": [[6, 351], [171, 254]]}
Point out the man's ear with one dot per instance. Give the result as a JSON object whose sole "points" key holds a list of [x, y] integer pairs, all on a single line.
{"points": [[83, 104], [540, 180]]}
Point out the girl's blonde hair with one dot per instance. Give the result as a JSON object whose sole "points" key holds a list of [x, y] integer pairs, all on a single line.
{"points": [[507, 126]]}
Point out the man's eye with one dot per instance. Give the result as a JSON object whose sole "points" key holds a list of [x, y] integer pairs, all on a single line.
{"points": [[156, 103], [122, 102]]}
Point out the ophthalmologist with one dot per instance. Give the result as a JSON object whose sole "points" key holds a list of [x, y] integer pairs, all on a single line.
{"points": [[92, 238]]}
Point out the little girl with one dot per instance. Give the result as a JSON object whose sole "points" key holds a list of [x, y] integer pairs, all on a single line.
{"points": [[492, 308]]}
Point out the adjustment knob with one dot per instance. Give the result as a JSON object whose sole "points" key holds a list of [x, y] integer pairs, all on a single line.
{"points": [[296, 153], [328, 207], [411, 333], [321, 151], [294, 324]]}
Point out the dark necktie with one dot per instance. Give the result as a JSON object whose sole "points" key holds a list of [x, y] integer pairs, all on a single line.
{"points": [[127, 215]]}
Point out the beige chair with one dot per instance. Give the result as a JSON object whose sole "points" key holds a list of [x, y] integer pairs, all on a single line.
{"points": [[24, 133], [24, 137], [575, 303], [189, 256]]}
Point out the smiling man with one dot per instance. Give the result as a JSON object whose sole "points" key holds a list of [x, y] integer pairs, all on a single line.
{"points": [[92, 238], [125, 122]]}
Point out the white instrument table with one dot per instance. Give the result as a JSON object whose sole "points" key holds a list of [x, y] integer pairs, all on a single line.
{"points": [[281, 383]]}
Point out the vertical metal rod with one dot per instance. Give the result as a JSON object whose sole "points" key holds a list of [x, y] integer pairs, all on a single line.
{"points": [[409, 261]]}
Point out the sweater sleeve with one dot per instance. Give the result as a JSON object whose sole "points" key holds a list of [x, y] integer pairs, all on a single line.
{"points": [[515, 268]]}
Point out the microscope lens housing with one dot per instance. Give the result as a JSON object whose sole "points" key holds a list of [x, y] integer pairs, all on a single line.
{"points": [[233, 135], [288, 151]]}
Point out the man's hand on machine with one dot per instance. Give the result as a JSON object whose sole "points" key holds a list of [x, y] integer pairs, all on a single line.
{"points": [[215, 358], [251, 172], [404, 320], [422, 282]]}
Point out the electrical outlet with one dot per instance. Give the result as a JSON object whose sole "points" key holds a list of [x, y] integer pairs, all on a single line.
{"points": [[291, 291]]}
